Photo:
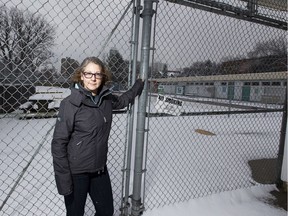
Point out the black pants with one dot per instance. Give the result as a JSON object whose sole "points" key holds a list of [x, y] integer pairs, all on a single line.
{"points": [[99, 188]]}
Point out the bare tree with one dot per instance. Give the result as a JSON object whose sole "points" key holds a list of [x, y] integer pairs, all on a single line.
{"points": [[201, 68], [274, 47], [271, 55], [25, 40]]}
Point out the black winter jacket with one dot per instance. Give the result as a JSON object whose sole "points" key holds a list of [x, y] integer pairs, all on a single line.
{"points": [[80, 139]]}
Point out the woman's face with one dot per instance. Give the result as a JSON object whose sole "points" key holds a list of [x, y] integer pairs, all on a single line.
{"points": [[92, 77]]}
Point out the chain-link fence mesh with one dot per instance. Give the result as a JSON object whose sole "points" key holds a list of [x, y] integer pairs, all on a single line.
{"points": [[227, 119], [42, 43], [219, 107]]}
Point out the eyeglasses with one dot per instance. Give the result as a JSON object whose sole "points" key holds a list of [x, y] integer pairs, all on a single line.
{"points": [[97, 75]]}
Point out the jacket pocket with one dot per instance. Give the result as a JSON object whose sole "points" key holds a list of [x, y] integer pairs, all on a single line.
{"points": [[75, 149]]}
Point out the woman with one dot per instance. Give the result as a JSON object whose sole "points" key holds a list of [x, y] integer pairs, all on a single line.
{"points": [[80, 139]]}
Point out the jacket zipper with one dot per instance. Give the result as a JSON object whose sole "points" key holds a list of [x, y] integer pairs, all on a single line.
{"points": [[79, 143]]}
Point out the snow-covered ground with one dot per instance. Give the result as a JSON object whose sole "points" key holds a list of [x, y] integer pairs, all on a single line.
{"points": [[182, 163], [249, 202]]}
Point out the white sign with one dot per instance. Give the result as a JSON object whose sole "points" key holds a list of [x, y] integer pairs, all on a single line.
{"points": [[168, 105]]}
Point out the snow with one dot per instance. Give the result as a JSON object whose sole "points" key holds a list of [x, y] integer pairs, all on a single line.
{"points": [[241, 202], [26, 144]]}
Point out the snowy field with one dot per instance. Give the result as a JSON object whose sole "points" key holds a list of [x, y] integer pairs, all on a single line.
{"points": [[181, 163]]}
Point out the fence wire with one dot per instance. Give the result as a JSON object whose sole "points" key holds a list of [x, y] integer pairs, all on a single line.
{"points": [[43, 43], [217, 79], [218, 101]]}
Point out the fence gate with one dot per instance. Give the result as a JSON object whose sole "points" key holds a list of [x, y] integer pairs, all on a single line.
{"points": [[207, 140]]}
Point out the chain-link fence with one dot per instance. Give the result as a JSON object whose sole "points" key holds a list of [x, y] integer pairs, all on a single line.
{"points": [[42, 43], [218, 80], [221, 99]]}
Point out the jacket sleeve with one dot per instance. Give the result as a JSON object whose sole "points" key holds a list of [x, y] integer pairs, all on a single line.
{"points": [[119, 102], [61, 136]]}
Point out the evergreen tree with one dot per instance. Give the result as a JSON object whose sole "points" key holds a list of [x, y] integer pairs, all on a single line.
{"points": [[119, 68]]}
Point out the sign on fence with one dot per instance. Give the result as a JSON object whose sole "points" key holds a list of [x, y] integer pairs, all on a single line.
{"points": [[168, 105]]}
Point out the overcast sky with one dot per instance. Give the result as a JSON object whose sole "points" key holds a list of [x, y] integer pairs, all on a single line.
{"points": [[83, 26], [197, 35], [183, 35]]}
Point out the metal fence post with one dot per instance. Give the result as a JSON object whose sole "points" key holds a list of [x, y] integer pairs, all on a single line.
{"points": [[134, 53], [137, 206]]}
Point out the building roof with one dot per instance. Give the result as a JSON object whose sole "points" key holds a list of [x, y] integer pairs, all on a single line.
{"points": [[227, 77]]}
